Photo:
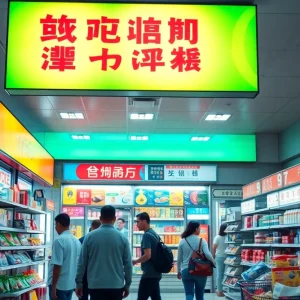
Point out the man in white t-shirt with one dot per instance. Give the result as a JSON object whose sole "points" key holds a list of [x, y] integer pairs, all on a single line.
{"points": [[63, 263]]}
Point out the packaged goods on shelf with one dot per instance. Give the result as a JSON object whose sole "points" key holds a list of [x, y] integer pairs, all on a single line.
{"points": [[3, 217], [11, 284], [233, 250], [289, 276], [255, 271], [16, 258], [235, 237], [232, 281], [232, 260], [233, 227], [280, 261], [292, 216], [161, 212], [233, 271], [36, 255], [23, 239]]}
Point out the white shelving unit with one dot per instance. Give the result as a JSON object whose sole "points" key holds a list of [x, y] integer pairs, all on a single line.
{"points": [[233, 228], [19, 208]]}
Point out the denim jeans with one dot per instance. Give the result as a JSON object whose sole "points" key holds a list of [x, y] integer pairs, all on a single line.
{"points": [[220, 272], [193, 285], [61, 295]]}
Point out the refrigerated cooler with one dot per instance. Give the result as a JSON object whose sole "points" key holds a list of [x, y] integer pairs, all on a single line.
{"points": [[168, 222]]}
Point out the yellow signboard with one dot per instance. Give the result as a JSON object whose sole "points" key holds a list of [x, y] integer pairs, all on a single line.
{"points": [[21, 146], [131, 49]]}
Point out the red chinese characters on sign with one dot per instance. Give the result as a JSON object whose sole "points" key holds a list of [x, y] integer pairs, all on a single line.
{"points": [[60, 58], [84, 196], [183, 30], [105, 57], [110, 172], [271, 183], [144, 31], [186, 60], [105, 28], [152, 58], [58, 29], [252, 190]]}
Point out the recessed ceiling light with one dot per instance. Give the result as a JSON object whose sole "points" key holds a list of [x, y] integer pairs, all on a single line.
{"points": [[72, 116], [139, 137], [217, 117], [141, 116], [81, 137], [200, 139]]}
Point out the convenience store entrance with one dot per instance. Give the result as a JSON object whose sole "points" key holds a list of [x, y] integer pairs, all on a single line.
{"points": [[169, 208]]}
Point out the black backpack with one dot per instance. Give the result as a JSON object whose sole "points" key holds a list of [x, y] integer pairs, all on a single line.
{"points": [[163, 260]]}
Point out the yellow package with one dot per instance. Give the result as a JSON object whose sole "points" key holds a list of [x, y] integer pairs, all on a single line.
{"points": [[176, 198], [289, 276], [282, 261]]}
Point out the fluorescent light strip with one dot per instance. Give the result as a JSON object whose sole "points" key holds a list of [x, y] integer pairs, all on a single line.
{"points": [[217, 117], [200, 139], [72, 116], [141, 116], [81, 137], [139, 138]]}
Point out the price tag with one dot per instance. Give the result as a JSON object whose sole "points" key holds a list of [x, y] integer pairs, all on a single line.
{"points": [[248, 206], [273, 200]]}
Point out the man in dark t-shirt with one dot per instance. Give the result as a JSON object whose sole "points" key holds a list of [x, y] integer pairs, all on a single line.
{"points": [[149, 284]]}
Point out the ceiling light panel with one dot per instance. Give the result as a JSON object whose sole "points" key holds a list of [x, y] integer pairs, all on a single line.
{"points": [[142, 116], [72, 116], [217, 117]]}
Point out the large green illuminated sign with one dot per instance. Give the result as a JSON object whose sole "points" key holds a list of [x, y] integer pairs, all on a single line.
{"points": [[131, 49], [159, 147]]}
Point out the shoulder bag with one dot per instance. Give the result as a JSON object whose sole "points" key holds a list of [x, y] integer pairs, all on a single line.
{"points": [[199, 265]]}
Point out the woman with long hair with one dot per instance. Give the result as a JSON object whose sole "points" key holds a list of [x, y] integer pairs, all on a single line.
{"points": [[219, 255], [190, 243]]}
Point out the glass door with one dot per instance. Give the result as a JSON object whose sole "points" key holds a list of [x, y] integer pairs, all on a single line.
{"points": [[168, 222]]}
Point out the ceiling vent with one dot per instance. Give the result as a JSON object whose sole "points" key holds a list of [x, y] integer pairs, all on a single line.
{"points": [[143, 103]]}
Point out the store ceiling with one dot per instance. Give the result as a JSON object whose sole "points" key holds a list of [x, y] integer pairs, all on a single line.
{"points": [[274, 109]]}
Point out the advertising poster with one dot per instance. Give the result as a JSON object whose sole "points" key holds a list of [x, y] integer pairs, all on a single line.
{"points": [[97, 195], [158, 197], [75, 211], [196, 197]]}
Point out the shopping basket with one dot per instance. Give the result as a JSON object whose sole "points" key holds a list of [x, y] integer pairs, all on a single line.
{"points": [[259, 290], [256, 290]]}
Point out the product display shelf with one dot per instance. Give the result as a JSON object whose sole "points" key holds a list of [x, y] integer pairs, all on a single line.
{"points": [[272, 245], [234, 241], [233, 296], [33, 263], [21, 292], [9, 229], [4, 248], [22, 209]]}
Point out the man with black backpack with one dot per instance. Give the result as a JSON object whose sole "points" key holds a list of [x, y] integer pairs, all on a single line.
{"points": [[156, 259]]}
